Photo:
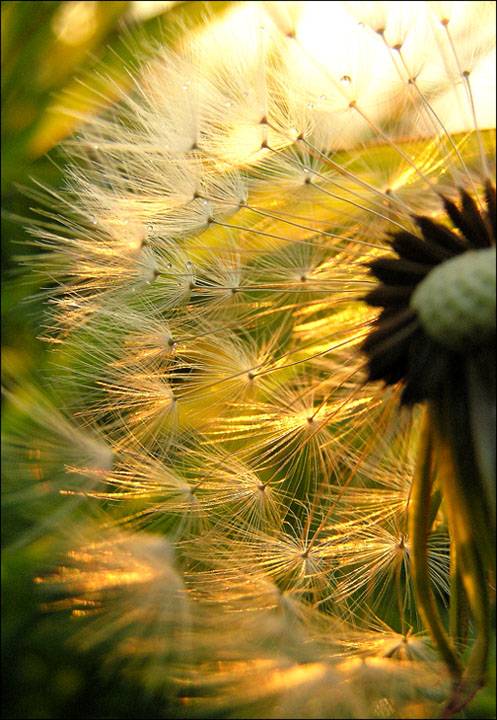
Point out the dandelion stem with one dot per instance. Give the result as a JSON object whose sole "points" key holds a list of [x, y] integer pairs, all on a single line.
{"points": [[419, 528], [458, 611], [467, 517]]}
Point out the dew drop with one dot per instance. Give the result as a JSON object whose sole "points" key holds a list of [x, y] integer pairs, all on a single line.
{"points": [[346, 80]]}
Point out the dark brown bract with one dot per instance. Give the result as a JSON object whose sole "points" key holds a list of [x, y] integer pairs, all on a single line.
{"points": [[398, 348]]}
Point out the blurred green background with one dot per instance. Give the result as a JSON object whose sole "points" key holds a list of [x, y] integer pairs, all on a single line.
{"points": [[60, 58]]}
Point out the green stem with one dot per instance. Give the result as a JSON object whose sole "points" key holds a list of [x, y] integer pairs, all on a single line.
{"points": [[466, 512], [475, 581], [419, 528], [458, 610]]}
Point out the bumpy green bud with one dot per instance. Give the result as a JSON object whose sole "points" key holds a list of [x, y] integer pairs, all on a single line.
{"points": [[456, 301]]}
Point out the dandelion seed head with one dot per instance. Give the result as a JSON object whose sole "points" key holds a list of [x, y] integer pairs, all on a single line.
{"points": [[230, 269]]}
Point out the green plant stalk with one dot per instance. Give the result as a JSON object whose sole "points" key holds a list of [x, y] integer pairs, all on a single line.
{"points": [[465, 516], [419, 526], [458, 609], [473, 579], [476, 670], [480, 372]]}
